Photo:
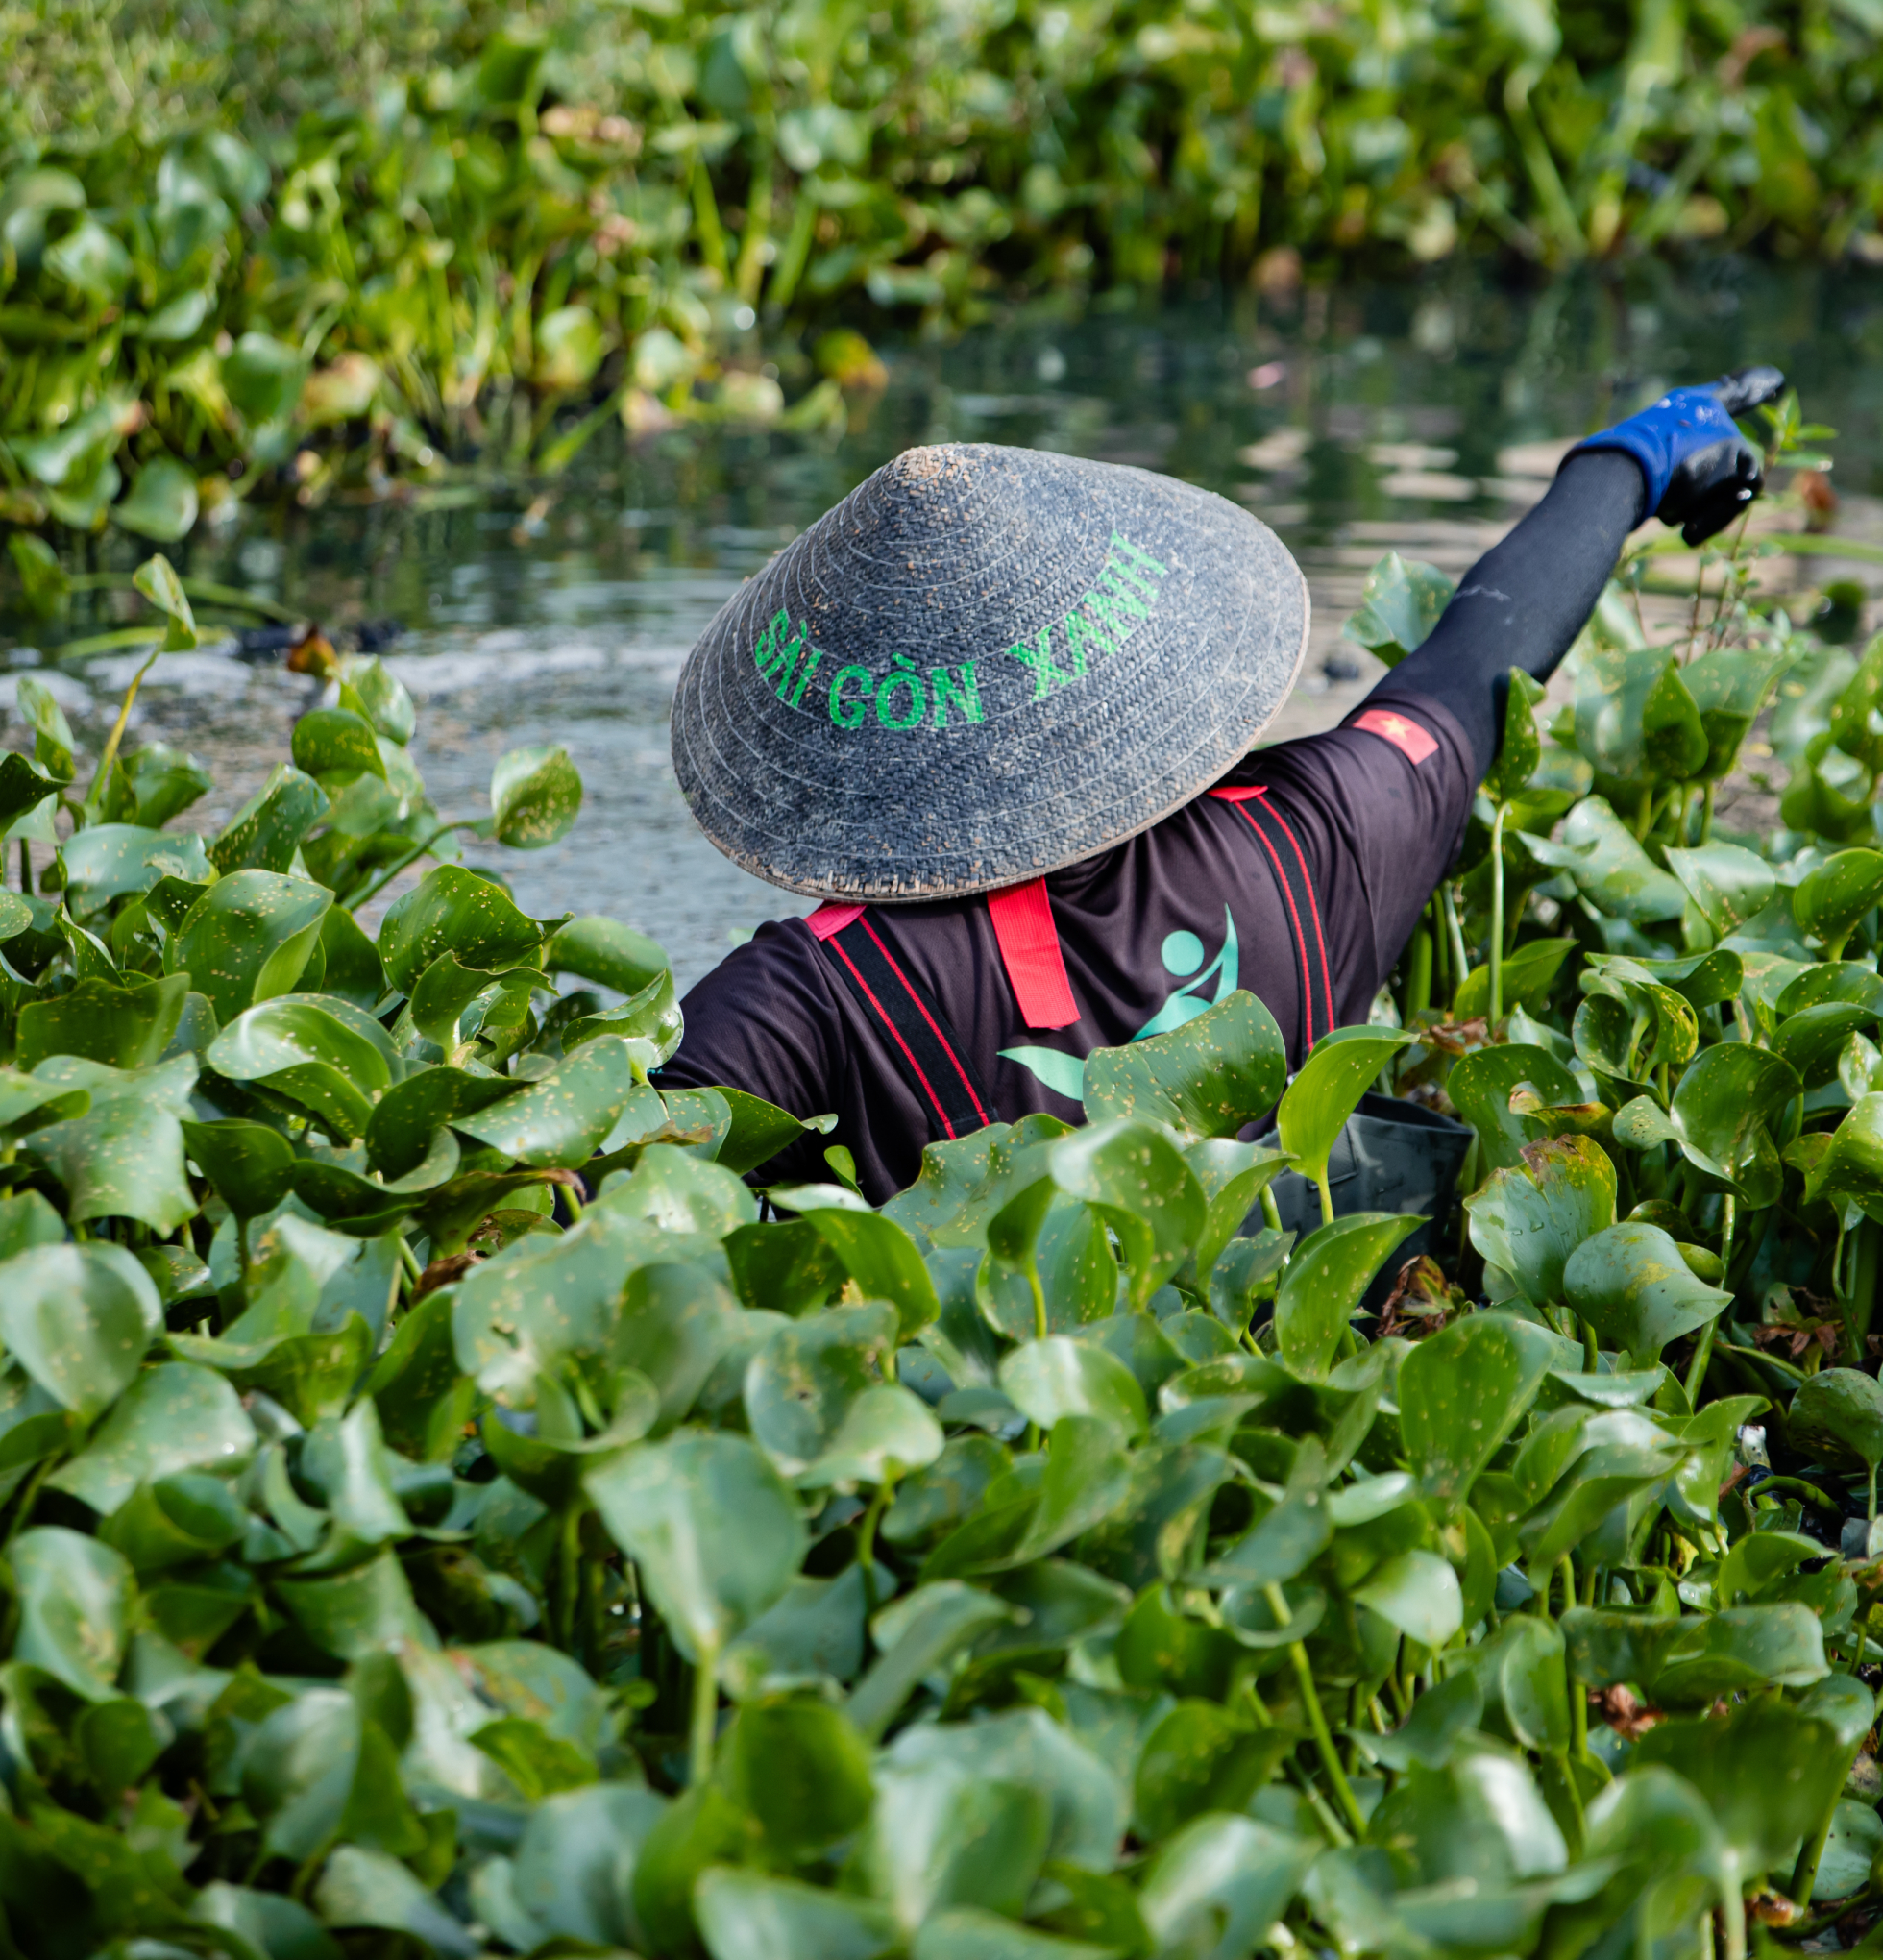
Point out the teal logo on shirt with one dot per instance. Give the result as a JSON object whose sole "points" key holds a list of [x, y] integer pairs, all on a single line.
{"points": [[1182, 956]]}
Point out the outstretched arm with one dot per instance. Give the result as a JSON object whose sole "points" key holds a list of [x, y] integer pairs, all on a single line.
{"points": [[1525, 600]]}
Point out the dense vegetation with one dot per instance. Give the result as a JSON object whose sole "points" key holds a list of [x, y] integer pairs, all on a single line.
{"points": [[254, 245], [440, 1516]]}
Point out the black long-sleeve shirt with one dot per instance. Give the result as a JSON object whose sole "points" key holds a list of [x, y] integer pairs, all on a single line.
{"points": [[1175, 918]]}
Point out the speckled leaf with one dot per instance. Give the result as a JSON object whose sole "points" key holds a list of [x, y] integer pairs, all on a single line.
{"points": [[127, 1027], [1134, 1177], [1520, 750], [1462, 1391], [1842, 1407], [110, 860], [1323, 1285], [1326, 1090], [535, 796], [124, 1157], [1216, 1887], [1829, 900], [246, 938], [330, 740], [78, 1319], [265, 833], [1528, 1220], [1633, 1287], [176, 1417], [1600, 853], [561, 1118], [1725, 1107], [1728, 883], [27, 1105], [316, 1050], [446, 988], [406, 1118], [802, 1384], [23, 787], [250, 1166], [651, 1016], [1048, 1378], [1208, 1078], [880, 1256], [74, 1597], [1400, 604], [1199, 1757], [453, 910], [607, 952], [715, 1533]]}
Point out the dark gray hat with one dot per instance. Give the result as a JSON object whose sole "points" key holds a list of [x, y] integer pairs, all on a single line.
{"points": [[984, 664]]}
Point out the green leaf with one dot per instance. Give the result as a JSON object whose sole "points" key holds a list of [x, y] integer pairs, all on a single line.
{"points": [[1199, 1757], [74, 1597], [111, 860], [1829, 900], [1732, 1761], [407, 1117], [360, 1888], [803, 1383], [1208, 1078], [1729, 885], [1520, 750], [797, 1765], [745, 1915], [248, 939], [124, 1157], [157, 579], [1418, 1593], [1326, 1090], [876, 1252], [1527, 1222], [1730, 687], [1633, 1287], [78, 1319], [23, 788], [162, 501], [1132, 1174], [175, 1419], [45, 582], [535, 796], [1725, 1107], [1216, 1887], [715, 1532], [330, 741], [358, 1612], [126, 1027], [1612, 871], [1047, 1380], [1324, 1278], [606, 952], [576, 1861], [268, 829], [249, 1165], [1400, 604], [1529, 974], [262, 376], [453, 910], [562, 1117], [314, 1049], [1461, 1393], [1288, 1536], [1837, 1414]]}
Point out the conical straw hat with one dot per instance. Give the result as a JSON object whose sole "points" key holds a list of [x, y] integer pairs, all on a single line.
{"points": [[986, 663]]}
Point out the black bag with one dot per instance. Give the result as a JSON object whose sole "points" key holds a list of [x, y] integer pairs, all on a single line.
{"points": [[1393, 1155]]}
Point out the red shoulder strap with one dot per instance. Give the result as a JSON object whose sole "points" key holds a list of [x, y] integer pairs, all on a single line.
{"points": [[1022, 918]]}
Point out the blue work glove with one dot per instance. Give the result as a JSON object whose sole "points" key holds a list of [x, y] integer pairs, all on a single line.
{"points": [[1701, 473]]}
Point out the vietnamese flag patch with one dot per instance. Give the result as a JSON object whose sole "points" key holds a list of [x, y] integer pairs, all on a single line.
{"points": [[1405, 735]]}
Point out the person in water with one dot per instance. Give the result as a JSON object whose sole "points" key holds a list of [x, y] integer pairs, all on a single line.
{"points": [[997, 710]]}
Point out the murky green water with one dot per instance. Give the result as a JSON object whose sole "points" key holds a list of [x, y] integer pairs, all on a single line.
{"points": [[1354, 421]]}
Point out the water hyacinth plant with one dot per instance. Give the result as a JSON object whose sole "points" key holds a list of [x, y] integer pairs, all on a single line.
{"points": [[245, 250], [440, 1513]]}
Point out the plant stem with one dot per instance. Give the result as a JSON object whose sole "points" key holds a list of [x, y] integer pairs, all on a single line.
{"points": [[1707, 819], [1271, 1214], [1697, 1367], [1591, 1351], [1804, 1874], [356, 898], [1455, 932], [705, 1717], [99, 782], [1327, 1195], [1496, 914], [1278, 1604], [1418, 976]]}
